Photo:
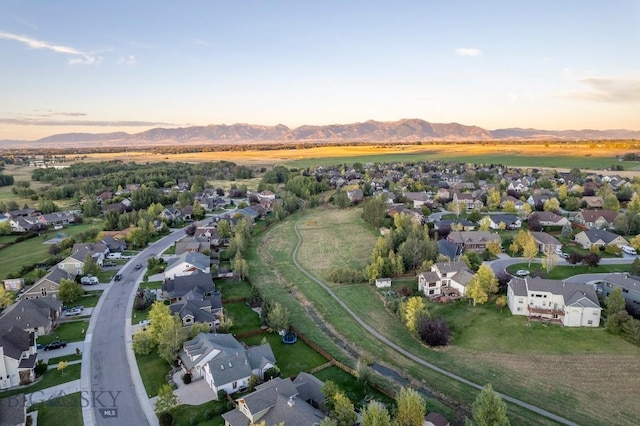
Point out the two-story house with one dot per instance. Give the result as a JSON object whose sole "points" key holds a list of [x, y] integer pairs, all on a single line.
{"points": [[194, 298], [629, 285], [601, 219], [445, 278], [18, 356]]}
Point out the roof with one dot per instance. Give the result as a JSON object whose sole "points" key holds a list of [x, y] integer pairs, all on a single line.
{"points": [[201, 345], [544, 238], [508, 219], [452, 266], [198, 260], [194, 308], [436, 419], [194, 286], [594, 235], [12, 411], [226, 368], [594, 215], [14, 341], [623, 280], [449, 249], [31, 313], [81, 250], [473, 237]]}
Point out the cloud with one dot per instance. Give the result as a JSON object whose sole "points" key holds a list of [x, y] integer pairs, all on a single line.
{"points": [[465, 51], [608, 89], [96, 123], [128, 60], [78, 57]]}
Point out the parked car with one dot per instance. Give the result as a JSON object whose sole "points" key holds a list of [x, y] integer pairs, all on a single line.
{"points": [[55, 345], [107, 264], [89, 280], [77, 310], [522, 272], [117, 277]]}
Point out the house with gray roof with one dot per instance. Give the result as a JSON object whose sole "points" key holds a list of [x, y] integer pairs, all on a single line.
{"points": [[74, 264], [187, 264], [279, 401], [223, 362], [629, 285], [554, 301], [38, 316], [510, 221], [18, 356], [473, 240], [13, 410], [49, 285], [546, 241], [445, 278], [600, 238]]}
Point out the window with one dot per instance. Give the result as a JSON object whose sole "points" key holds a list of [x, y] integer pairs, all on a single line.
{"points": [[519, 309], [520, 301], [43, 291], [589, 322], [555, 316], [432, 291]]}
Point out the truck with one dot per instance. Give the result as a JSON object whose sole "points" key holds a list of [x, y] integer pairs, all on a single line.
{"points": [[89, 280]]}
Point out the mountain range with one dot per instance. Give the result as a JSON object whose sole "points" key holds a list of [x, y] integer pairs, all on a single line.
{"points": [[407, 130]]}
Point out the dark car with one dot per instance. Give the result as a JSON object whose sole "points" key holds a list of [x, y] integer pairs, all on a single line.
{"points": [[138, 266], [118, 277], [55, 345]]}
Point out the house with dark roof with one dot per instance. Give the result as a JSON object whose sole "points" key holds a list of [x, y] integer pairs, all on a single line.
{"points": [[114, 245], [600, 238], [49, 285], [223, 362], [13, 410], [38, 316], [74, 264], [473, 240], [280, 401], [445, 278], [194, 298], [601, 219], [546, 242], [455, 224], [18, 357], [549, 219], [554, 301], [186, 264], [629, 285], [510, 221]]}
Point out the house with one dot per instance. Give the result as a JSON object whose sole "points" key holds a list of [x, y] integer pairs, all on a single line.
{"points": [[418, 199], [601, 219], [49, 285], [280, 401], [383, 282], [22, 224], [57, 218], [74, 264], [554, 301], [206, 311], [518, 204], [435, 419], [549, 219], [170, 214], [600, 238], [415, 216], [13, 411], [18, 355], [195, 286], [537, 200], [510, 221], [37, 316], [223, 362], [114, 245], [473, 240], [355, 195], [449, 249], [469, 200], [445, 278], [192, 244], [629, 285], [455, 224], [592, 202], [546, 242], [188, 263]]}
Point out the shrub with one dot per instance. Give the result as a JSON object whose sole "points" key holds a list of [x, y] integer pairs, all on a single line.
{"points": [[405, 291], [166, 419], [186, 378], [222, 395], [271, 373], [434, 331], [208, 414]]}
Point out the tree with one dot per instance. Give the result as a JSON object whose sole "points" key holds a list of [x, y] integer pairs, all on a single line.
{"points": [[434, 331], [6, 298], [489, 409], [633, 207], [592, 259], [90, 266], [493, 199], [526, 242], [62, 365], [278, 318], [482, 284], [485, 223], [198, 211], [635, 267], [70, 291], [91, 208], [374, 414], [340, 199], [550, 259], [413, 309], [614, 302], [472, 260], [5, 227], [566, 230], [142, 343], [551, 205], [343, 410], [199, 327], [616, 322], [166, 399], [411, 408], [501, 302], [610, 202], [374, 211], [329, 389], [240, 267], [494, 247], [171, 338]]}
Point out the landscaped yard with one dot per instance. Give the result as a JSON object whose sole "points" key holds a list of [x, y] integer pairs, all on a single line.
{"points": [[56, 360], [153, 371], [153, 285], [90, 299], [69, 331], [232, 288], [50, 378], [137, 316], [207, 414], [65, 410], [244, 319], [291, 359], [488, 347]]}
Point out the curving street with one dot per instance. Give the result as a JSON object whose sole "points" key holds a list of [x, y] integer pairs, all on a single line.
{"points": [[408, 354]]}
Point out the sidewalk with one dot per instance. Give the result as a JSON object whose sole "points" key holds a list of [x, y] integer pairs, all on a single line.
{"points": [[52, 392]]}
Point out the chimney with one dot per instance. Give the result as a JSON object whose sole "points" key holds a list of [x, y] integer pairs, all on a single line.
{"points": [[291, 402]]}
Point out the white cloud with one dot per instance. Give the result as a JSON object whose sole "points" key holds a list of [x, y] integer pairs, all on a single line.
{"points": [[607, 89], [78, 57], [128, 60], [465, 51]]}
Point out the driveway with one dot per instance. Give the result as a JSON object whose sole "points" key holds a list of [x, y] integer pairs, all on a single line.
{"points": [[70, 349], [195, 393]]}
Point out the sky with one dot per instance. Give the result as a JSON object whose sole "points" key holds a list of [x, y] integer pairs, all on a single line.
{"points": [[105, 66]]}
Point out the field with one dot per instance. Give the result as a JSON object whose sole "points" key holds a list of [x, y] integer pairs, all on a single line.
{"points": [[561, 155], [558, 369]]}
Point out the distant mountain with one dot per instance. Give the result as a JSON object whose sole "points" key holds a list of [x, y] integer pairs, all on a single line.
{"points": [[407, 130]]}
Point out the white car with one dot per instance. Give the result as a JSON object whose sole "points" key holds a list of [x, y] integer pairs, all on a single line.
{"points": [[522, 272], [73, 311]]}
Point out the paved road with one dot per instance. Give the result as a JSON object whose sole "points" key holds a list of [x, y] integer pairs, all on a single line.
{"points": [[408, 354], [109, 369], [499, 266]]}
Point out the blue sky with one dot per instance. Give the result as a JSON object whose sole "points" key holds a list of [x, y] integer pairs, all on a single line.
{"points": [[71, 66]]}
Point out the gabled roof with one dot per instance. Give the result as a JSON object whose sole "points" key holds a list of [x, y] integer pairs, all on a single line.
{"points": [[14, 341], [198, 260], [594, 235], [449, 249], [623, 280], [593, 215], [452, 266], [573, 294], [80, 251], [226, 368], [31, 313], [201, 346], [508, 219], [195, 286], [194, 308], [544, 238]]}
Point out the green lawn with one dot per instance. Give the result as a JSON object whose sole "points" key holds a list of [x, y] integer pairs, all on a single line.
{"points": [[351, 387], [106, 276], [65, 410], [244, 319], [232, 288], [207, 414], [69, 332], [153, 285], [291, 359], [48, 379], [33, 250], [90, 299], [153, 371], [137, 316], [56, 360], [562, 272], [170, 250]]}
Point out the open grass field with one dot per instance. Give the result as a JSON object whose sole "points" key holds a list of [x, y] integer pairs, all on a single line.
{"points": [[34, 250], [62, 411], [559, 369], [561, 155]]}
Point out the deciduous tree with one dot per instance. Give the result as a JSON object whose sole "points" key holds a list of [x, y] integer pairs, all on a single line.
{"points": [[278, 318], [6, 298], [501, 302], [489, 409], [343, 410], [166, 400], [411, 408], [412, 310], [70, 291], [375, 414]]}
